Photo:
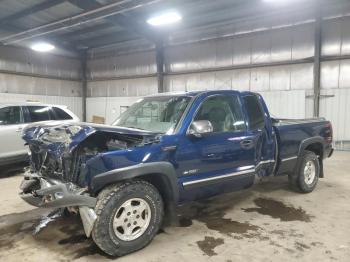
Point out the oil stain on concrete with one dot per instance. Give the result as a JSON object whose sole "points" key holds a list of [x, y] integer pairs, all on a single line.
{"points": [[65, 235], [279, 210], [209, 244], [50, 229], [211, 213]]}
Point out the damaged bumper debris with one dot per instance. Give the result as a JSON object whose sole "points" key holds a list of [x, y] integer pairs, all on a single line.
{"points": [[50, 193], [64, 158]]}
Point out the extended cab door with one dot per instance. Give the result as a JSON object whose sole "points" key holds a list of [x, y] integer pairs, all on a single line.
{"points": [[261, 131], [222, 160]]}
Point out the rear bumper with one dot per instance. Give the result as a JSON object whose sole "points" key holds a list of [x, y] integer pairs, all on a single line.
{"points": [[41, 192]]}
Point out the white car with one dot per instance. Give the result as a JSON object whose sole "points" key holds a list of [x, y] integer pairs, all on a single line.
{"points": [[16, 116]]}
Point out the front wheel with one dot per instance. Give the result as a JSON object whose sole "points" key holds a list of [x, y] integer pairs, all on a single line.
{"points": [[307, 173], [129, 215]]}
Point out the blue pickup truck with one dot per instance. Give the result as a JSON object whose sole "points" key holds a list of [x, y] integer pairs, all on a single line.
{"points": [[128, 178]]}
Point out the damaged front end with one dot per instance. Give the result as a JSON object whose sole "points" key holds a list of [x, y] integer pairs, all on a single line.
{"points": [[49, 193], [58, 173]]}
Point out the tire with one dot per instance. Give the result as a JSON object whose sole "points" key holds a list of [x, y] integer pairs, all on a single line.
{"points": [[119, 213], [307, 173]]}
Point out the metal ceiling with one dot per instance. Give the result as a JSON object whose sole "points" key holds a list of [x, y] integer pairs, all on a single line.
{"points": [[77, 25]]}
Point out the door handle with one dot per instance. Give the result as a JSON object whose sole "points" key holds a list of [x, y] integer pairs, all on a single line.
{"points": [[247, 143]]}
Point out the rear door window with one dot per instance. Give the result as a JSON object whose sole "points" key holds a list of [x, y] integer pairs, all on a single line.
{"points": [[61, 114], [39, 113], [255, 112], [10, 115]]}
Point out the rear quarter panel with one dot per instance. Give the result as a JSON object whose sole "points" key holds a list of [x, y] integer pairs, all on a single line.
{"points": [[293, 138]]}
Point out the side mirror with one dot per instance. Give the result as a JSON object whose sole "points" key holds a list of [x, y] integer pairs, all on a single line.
{"points": [[200, 127]]}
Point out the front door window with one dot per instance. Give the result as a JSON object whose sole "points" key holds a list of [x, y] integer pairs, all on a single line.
{"points": [[223, 112]]}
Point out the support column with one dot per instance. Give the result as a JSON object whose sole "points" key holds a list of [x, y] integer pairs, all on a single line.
{"points": [[84, 82], [317, 58], [160, 65]]}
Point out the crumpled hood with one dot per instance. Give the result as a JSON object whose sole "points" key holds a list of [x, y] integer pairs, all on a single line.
{"points": [[65, 137]]}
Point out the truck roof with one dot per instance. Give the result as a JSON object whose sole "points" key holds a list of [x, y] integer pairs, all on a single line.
{"points": [[195, 93]]}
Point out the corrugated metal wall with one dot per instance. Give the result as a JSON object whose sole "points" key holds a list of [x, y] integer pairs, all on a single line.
{"points": [[139, 63], [223, 64], [18, 84], [262, 47], [335, 80], [123, 87], [25, 61], [27, 75], [108, 107], [240, 60]]}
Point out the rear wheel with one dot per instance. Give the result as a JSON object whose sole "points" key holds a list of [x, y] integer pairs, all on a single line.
{"points": [[307, 173], [129, 215]]}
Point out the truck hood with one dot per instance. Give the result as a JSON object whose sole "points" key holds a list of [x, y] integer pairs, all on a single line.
{"points": [[61, 150], [52, 135]]}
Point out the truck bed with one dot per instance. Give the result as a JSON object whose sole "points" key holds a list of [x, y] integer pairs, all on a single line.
{"points": [[293, 133], [284, 121]]}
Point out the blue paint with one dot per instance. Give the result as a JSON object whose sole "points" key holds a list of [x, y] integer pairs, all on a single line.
{"points": [[218, 158]]}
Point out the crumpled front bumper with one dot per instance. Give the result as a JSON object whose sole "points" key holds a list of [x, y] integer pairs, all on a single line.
{"points": [[49, 193]]}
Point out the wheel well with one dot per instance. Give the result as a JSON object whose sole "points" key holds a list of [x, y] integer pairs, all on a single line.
{"points": [[161, 183], [317, 148]]}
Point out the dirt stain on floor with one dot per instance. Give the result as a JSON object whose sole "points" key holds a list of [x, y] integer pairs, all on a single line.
{"points": [[64, 235], [209, 244], [52, 230], [300, 246], [211, 212], [185, 222], [278, 209]]}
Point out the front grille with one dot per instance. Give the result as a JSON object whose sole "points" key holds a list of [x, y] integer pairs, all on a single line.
{"points": [[36, 158], [46, 164], [65, 168]]}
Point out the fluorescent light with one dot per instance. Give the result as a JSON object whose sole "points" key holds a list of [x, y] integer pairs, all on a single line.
{"points": [[42, 47], [165, 19], [279, 1]]}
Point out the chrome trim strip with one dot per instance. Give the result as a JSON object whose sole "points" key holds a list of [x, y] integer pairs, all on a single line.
{"points": [[243, 172], [248, 169], [264, 162], [289, 158]]}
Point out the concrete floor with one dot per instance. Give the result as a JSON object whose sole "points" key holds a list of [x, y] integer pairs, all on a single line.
{"points": [[266, 223]]}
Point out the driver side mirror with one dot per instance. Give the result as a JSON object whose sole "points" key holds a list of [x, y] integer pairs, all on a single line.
{"points": [[200, 127]]}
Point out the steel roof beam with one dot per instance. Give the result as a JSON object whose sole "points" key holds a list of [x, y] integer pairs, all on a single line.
{"points": [[83, 31], [31, 10], [120, 20]]}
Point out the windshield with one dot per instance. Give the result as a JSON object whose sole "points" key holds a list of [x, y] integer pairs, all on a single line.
{"points": [[156, 114]]}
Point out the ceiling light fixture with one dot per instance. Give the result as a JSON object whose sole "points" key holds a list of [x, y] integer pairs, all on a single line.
{"points": [[165, 19], [278, 1], [42, 47]]}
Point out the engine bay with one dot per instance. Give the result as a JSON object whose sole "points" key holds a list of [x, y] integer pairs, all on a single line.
{"points": [[68, 165]]}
